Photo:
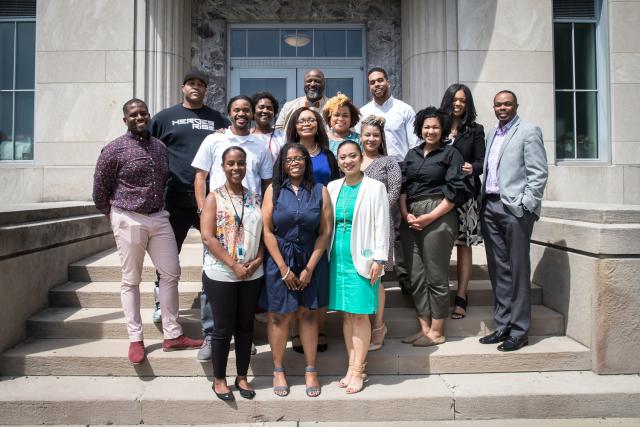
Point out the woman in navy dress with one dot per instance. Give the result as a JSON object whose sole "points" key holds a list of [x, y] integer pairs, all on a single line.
{"points": [[298, 220], [307, 127]]}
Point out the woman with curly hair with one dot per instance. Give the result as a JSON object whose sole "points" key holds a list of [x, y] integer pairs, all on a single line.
{"points": [[341, 116]]}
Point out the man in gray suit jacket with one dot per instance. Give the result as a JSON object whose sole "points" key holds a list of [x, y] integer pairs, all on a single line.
{"points": [[515, 168]]}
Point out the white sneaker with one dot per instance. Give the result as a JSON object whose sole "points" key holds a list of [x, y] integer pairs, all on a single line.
{"points": [[204, 353], [157, 315]]}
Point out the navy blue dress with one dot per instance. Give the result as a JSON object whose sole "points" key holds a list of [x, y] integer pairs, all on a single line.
{"points": [[296, 221]]}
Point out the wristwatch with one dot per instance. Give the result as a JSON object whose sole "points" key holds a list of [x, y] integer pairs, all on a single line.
{"points": [[379, 261]]}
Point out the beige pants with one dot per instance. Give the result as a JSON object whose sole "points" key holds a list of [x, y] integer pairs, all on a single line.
{"points": [[136, 234]]}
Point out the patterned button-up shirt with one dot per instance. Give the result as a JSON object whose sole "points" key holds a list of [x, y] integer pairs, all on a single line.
{"points": [[131, 174], [492, 185]]}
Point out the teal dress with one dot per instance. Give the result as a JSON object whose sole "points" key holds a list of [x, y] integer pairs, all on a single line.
{"points": [[348, 291]]}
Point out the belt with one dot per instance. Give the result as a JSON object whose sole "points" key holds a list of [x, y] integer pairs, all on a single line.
{"points": [[492, 196]]}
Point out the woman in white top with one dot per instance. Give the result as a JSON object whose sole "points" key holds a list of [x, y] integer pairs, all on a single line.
{"points": [[231, 227], [358, 252]]}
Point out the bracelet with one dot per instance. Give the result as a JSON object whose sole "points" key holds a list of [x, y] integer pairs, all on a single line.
{"points": [[286, 274]]}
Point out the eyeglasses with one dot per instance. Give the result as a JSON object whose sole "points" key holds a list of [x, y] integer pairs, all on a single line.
{"points": [[292, 160], [311, 121]]}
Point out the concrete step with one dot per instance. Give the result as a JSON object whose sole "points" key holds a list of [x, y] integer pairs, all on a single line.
{"points": [[109, 323], [458, 355], [105, 266], [107, 294], [117, 400]]}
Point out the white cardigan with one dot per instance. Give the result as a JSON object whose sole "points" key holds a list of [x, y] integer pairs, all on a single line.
{"points": [[370, 226]]}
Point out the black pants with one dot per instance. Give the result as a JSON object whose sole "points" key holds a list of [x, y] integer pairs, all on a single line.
{"points": [[183, 214], [507, 241], [233, 305]]}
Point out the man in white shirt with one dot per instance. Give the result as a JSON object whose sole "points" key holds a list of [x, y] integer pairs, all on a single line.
{"points": [[399, 116], [400, 138], [313, 98], [208, 159]]}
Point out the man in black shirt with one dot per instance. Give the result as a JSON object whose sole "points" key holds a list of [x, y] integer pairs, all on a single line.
{"points": [[182, 128]]}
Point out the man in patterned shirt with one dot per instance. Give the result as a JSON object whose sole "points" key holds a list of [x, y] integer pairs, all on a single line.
{"points": [[128, 187]]}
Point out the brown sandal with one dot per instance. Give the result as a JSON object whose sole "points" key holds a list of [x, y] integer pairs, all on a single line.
{"points": [[377, 338]]}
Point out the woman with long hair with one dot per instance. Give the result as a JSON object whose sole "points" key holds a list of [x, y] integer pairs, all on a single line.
{"points": [[433, 184], [307, 128], [231, 227], [377, 165], [358, 252], [297, 219], [467, 137]]}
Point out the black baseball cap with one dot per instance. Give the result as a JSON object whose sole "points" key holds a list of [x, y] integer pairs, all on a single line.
{"points": [[196, 74]]}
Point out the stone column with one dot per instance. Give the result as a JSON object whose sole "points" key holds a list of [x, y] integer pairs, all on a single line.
{"points": [[162, 50], [429, 50]]}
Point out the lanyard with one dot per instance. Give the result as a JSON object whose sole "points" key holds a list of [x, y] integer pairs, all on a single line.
{"points": [[238, 218]]}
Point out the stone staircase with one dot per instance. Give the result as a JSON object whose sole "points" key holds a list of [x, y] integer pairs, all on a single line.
{"points": [[73, 368]]}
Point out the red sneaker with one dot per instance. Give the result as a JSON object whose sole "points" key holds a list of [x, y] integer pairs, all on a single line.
{"points": [[136, 352], [181, 343]]}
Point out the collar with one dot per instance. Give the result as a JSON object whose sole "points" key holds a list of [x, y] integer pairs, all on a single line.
{"points": [[386, 103], [502, 131], [420, 149], [316, 104], [139, 138]]}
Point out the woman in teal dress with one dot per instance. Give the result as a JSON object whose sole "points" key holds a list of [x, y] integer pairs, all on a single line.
{"points": [[358, 252]]}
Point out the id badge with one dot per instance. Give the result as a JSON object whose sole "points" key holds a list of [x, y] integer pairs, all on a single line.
{"points": [[240, 252]]}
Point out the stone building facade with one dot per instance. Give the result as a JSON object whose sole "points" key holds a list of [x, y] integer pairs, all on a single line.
{"points": [[90, 57]]}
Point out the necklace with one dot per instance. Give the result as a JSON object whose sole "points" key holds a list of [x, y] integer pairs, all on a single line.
{"points": [[238, 218], [315, 150]]}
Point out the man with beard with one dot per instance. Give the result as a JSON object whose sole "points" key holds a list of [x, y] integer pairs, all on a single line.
{"points": [[182, 128], [398, 131], [313, 98], [128, 187]]}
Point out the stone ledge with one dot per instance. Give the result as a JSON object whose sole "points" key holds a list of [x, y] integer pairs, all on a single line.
{"points": [[592, 212], [38, 235], [29, 212]]}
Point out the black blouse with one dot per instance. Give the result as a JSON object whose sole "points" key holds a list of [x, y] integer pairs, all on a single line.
{"points": [[440, 172]]}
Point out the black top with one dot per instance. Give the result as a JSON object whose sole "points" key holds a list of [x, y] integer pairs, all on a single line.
{"points": [[470, 143], [439, 173], [182, 130]]}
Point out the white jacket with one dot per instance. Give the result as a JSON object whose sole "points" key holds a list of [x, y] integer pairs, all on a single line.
{"points": [[370, 227]]}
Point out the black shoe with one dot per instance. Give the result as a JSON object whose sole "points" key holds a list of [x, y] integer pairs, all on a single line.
{"points": [[495, 337], [228, 396], [514, 343], [246, 393]]}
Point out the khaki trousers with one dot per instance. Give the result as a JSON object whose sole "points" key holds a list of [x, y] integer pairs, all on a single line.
{"points": [[135, 235], [427, 256]]}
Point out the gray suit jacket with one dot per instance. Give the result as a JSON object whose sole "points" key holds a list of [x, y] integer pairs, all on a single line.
{"points": [[522, 168]]}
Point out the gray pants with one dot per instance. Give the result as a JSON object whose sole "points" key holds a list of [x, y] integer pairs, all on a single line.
{"points": [[506, 241], [427, 256]]}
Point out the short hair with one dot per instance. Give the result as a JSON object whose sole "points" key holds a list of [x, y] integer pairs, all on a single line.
{"points": [[321, 134], [319, 71], [280, 174], [233, 148], [239, 98], [333, 104], [431, 112], [378, 122], [515, 98], [447, 104], [262, 95], [379, 70], [132, 101], [349, 141]]}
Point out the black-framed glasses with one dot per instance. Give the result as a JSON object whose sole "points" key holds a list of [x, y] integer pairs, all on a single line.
{"points": [[310, 120], [296, 159]]}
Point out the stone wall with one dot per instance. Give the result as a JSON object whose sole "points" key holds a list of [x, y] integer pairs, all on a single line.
{"points": [[39, 243], [210, 18], [585, 258]]}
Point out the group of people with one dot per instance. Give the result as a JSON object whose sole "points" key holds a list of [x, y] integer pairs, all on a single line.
{"points": [[306, 215]]}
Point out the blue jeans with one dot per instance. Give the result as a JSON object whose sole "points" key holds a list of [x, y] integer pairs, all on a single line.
{"points": [[206, 315]]}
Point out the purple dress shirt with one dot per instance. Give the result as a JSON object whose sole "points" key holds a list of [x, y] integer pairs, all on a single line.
{"points": [[131, 174], [492, 185]]}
